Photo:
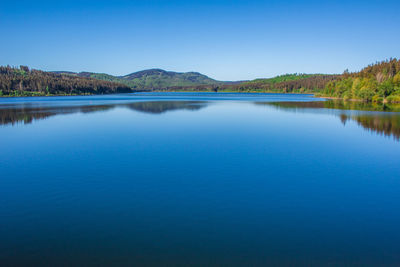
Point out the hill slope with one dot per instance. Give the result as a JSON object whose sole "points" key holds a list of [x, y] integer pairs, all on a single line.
{"points": [[288, 83], [152, 79], [159, 79], [291, 83]]}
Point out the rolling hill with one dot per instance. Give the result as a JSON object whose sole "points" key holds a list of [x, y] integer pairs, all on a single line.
{"points": [[152, 79]]}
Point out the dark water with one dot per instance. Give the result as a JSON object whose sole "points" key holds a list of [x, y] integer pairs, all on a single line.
{"points": [[198, 180]]}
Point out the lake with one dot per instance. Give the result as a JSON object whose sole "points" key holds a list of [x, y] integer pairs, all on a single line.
{"points": [[198, 179]]}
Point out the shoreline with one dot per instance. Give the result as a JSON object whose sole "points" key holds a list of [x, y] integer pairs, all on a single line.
{"points": [[384, 101], [339, 98], [159, 91], [250, 92]]}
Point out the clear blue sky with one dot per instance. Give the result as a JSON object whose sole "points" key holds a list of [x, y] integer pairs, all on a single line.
{"points": [[226, 40]]}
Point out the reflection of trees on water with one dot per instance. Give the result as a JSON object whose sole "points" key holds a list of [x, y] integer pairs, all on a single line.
{"points": [[27, 114], [337, 104], [11, 116], [384, 125], [387, 124]]}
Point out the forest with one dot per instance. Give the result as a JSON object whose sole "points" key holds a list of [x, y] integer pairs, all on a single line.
{"points": [[25, 82], [379, 82]]}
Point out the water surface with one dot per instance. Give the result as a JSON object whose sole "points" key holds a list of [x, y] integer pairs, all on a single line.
{"points": [[199, 180]]}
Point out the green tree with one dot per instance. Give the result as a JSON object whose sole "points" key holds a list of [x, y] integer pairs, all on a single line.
{"points": [[386, 88], [396, 79]]}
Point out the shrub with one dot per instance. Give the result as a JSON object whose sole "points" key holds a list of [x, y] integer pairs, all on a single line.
{"points": [[393, 99], [377, 99], [366, 94]]}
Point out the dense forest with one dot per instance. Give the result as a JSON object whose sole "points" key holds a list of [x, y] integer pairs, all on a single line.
{"points": [[379, 82], [25, 82]]}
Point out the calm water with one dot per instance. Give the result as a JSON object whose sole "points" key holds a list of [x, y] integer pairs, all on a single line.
{"points": [[198, 180]]}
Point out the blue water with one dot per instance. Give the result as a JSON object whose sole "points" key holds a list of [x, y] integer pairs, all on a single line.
{"points": [[192, 179]]}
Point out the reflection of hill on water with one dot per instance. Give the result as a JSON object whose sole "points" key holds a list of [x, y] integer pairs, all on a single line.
{"points": [[157, 107], [383, 123], [27, 114]]}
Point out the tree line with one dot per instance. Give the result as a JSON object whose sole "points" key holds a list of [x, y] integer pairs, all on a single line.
{"points": [[25, 82], [289, 83], [297, 84]]}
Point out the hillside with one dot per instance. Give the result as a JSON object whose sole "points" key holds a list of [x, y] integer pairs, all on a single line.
{"points": [[288, 83], [158, 79], [153, 79], [280, 78]]}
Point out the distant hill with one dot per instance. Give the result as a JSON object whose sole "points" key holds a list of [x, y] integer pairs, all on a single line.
{"points": [[280, 79], [161, 79], [288, 83], [152, 79]]}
